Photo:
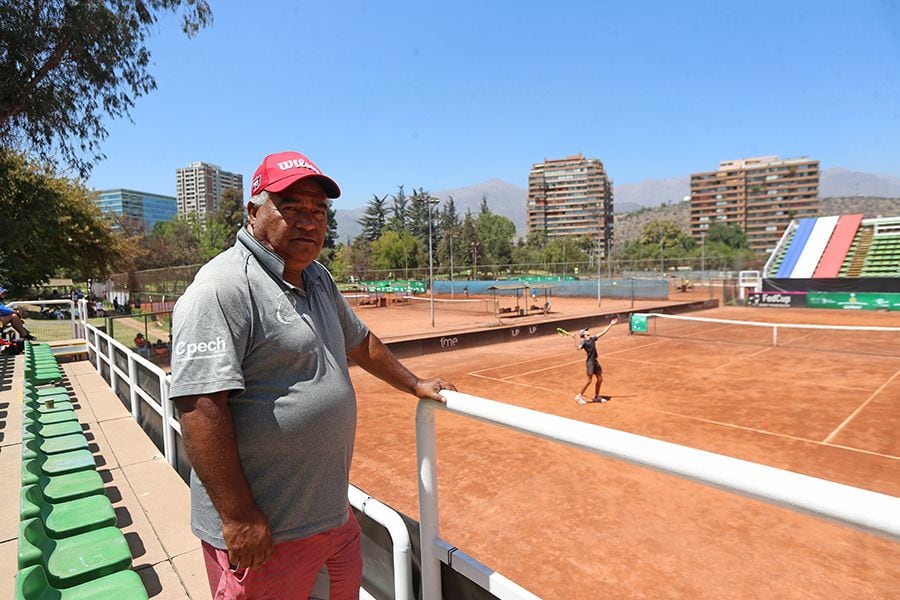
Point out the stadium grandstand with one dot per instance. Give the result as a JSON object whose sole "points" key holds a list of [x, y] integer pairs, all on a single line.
{"points": [[838, 254]]}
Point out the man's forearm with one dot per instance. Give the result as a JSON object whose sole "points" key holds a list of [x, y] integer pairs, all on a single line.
{"points": [[373, 356], [208, 433]]}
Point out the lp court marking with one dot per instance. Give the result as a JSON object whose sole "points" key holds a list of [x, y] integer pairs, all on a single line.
{"points": [[860, 407]]}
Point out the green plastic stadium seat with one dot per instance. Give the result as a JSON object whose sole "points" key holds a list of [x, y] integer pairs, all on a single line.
{"points": [[48, 418], [65, 519], [46, 376], [73, 560], [63, 443], [71, 486], [56, 464], [37, 392], [60, 403], [32, 429], [32, 584]]}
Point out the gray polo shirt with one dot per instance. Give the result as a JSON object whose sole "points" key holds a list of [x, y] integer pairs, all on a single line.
{"points": [[282, 353]]}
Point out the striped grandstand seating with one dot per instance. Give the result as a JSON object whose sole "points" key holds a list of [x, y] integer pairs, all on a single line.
{"points": [[838, 246]]}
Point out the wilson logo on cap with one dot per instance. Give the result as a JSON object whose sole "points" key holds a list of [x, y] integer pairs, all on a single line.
{"points": [[298, 163]]}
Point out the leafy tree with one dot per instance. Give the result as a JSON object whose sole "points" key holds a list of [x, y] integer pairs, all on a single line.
{"points": [[330, 233], [730, 235], [485, 209], [496, 233], [470, 244], [564, 250], [374, 218], [52, 226], [399, 211], [395, 250], [449, 218], [171, 243], [449, 226], [228, 218], [66, 65]]}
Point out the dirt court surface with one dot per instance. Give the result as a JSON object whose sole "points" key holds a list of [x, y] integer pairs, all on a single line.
{"points": [[565, 523]]}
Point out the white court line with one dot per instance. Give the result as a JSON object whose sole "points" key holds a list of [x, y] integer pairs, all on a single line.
{"points": [[825, 443], [772, 433], [536, 387], [521, 362], [740, 358], [860, 407], [567, 363]]}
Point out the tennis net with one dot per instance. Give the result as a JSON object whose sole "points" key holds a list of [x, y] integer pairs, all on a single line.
{"points": [[471, 305], [879, 341]]}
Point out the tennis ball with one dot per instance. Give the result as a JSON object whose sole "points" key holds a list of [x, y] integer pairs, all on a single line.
{"points": [[615, 283]]}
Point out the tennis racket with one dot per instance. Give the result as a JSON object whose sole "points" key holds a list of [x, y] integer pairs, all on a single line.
{"points": [[562, 331]]}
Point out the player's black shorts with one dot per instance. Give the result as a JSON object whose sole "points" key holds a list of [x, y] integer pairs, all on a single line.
{"points": [[593, 367]]}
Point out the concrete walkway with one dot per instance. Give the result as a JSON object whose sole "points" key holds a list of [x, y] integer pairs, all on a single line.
{"points": [[152, 502]]}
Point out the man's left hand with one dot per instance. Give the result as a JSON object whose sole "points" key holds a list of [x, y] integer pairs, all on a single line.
{"points": [[431, 388]]}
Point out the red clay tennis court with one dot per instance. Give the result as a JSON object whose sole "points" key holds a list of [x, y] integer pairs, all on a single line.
{"points": [[568, 524]]}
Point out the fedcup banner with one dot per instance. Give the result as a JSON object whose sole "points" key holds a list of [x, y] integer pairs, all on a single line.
{"points": [[777, 299]]}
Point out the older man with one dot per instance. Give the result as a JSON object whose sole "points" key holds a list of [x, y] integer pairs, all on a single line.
{"points": [[268, 413]]}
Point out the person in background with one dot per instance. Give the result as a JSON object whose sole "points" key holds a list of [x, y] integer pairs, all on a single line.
{"points": [[12, 317], [261, 340], [588, 343], [142, 346]]}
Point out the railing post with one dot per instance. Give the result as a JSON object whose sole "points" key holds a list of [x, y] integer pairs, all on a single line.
{"points": [[110, 362], [132, 385], [168, 430], [429, 524]]}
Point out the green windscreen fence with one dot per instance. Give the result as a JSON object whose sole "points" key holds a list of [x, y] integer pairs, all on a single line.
{"points": [[638, 323]]}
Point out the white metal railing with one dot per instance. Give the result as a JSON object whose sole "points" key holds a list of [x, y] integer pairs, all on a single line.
{"points": [[70, 304], [103, 347], [869, 511]]}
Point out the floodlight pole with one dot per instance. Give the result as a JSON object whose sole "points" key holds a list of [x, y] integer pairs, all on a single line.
{"points": [[430, 262], [703, 256], [599, 242], [452, 293]]}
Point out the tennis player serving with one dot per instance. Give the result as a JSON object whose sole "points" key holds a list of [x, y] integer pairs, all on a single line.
{"points": [[587, 342]]}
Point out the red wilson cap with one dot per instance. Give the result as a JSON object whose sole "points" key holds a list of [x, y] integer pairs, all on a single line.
{"points": [[282, 170]]}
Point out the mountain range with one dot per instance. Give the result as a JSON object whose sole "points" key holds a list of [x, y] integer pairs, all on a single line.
{"points": [[509, 200]]}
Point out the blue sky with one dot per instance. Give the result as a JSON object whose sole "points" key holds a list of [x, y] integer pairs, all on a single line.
{"points": [[447, 94]]}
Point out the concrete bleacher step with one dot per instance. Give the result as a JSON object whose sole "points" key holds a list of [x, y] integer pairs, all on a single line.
{"points": [[32, 584], [76, 559], [65, 519]]}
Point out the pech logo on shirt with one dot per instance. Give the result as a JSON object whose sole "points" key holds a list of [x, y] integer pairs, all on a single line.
{"points": [[195, 350]]}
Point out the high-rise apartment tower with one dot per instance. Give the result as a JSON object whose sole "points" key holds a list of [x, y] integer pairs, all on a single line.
{"points": [[143, 206], [571, 196], [761, 195], [199, 188]]}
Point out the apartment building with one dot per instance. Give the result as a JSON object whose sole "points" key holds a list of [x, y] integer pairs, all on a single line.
{"points": [[571, 196], [760, 194], [199, 188], [143, 206]]}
